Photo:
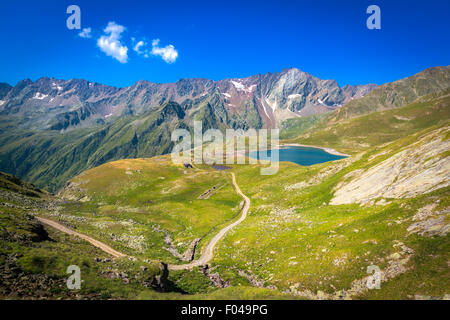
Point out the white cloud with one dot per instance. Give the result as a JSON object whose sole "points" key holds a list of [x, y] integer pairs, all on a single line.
{"points": [[110, 42], [140, 48], [86, 33], [169, 54]]}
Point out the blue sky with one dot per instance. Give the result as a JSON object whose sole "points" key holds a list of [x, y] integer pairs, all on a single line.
{"points": [[223, 39]]}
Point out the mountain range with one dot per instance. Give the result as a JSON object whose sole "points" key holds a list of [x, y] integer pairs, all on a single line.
{"points": [[52, 130], [257, 101], [55, 128]]}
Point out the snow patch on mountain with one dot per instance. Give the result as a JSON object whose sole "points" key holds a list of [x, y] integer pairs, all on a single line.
{"points": [[240, 86], [40, 96], [272, 105], [264, 108], [56, 86]]}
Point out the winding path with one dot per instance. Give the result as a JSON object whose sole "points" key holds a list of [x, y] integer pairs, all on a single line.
{"points": [[206, 256], [208, 253], [94, 242]]}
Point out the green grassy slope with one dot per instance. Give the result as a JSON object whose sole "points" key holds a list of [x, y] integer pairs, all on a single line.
{"points": [[34, 259], [133, 198], [292, 128], [121, 202], [380, 127], [294, 240], [294, 243]]}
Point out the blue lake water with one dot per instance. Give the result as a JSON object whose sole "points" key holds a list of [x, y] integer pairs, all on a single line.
{"points": [[304, 156]]}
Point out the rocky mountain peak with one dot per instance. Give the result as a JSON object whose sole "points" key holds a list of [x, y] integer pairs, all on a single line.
{"points": [[4, 89], [260, 100]]}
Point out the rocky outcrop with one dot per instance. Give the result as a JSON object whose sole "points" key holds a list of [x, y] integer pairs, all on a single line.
{"points": [[358, 91], [214, 277], [397, 264], [160, 281], [15, 283], [419, 168], [430, 222], [188, 255]]}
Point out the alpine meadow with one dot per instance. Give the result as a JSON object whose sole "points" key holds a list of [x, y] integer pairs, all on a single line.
{"points": [[94, 207]]}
